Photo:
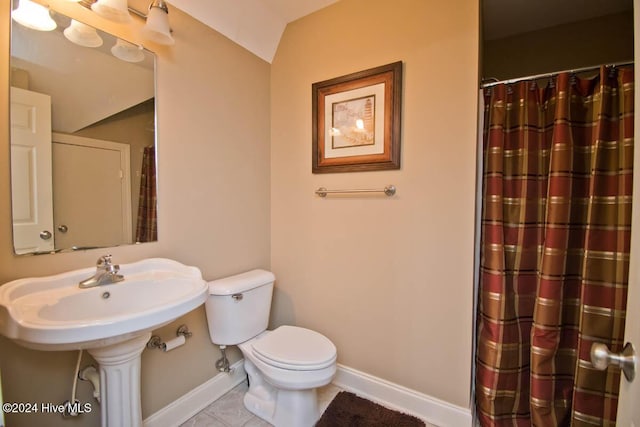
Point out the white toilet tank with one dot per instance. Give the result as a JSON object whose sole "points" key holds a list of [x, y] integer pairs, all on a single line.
{"points": [[238, 306]]}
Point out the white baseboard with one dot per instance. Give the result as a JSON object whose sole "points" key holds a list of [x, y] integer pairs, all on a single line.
{"points": [[430, 409], [185, 407]]}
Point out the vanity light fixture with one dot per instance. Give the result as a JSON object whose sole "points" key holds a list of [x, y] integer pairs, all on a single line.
{"points": [[157, 27], [127, 51], [33, 15], [113, 10], [82, 34]]}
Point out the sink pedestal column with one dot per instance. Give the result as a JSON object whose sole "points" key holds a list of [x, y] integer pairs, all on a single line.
{"points": [[120, 381]]}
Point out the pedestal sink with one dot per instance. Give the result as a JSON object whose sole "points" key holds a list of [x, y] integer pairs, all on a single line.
{"points": [[112, 322]]}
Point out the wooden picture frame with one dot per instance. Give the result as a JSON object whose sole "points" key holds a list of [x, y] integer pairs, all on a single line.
{"points": [[357, 121]]}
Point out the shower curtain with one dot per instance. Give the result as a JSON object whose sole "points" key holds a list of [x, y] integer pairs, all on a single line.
{"points": [[554, 248], [147, 224]]}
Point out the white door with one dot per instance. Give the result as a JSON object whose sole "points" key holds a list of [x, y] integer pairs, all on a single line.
{"points": [[92, 197], [629, 403], [31, 194]]}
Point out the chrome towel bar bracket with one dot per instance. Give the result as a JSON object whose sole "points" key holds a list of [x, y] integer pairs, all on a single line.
{"points": [[389, 190]]}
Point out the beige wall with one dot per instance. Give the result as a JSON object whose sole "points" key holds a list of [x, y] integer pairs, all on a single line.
{"points": [[604, 40], [389, 280], [213, 113]]}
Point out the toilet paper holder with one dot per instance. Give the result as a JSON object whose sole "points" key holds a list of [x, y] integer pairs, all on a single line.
{"points": [[182, 333]]}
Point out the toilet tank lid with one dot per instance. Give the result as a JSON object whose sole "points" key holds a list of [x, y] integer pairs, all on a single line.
{"points": [[241, 282]]}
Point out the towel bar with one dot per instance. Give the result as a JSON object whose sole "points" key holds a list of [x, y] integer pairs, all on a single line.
{"points": [[389, 190]]}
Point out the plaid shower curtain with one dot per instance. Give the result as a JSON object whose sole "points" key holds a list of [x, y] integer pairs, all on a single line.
{"points": [[554, 248], [147, 223]]}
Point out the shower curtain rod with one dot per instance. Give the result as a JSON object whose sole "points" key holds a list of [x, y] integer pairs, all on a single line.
{"points": [[545, 75]]}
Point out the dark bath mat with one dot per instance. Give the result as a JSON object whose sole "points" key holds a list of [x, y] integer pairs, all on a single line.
{"points": [[349, 410]]}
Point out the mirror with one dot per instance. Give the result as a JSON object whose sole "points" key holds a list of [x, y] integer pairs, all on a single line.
{"points": [[82, 139]]}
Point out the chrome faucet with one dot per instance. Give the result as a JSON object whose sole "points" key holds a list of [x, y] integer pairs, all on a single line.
{"points": [[106, 274]]}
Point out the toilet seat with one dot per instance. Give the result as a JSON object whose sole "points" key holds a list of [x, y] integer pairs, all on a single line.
{"points": [[295, 348]]}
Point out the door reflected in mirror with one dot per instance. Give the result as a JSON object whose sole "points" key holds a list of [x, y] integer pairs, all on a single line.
{"points": [[83, 170]]}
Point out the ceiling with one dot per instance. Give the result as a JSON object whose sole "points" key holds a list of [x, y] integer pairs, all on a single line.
{"points": [[502, 18], [258, 25]]}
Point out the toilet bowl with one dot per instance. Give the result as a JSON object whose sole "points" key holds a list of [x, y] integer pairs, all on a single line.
{"points": [[285, 365], [283, 379]]}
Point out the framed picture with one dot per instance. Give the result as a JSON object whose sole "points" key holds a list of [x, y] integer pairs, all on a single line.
{"points": [[356, 121]]}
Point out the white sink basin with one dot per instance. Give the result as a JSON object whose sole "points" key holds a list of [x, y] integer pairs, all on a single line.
{"points": [[53, 313]]}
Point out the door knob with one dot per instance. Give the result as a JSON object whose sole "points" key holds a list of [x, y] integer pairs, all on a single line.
{"points": [[601, 357], [45, 235], [63, 228]]}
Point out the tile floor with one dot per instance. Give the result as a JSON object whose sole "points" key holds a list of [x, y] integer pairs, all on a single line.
{"points": [[229, 410]]}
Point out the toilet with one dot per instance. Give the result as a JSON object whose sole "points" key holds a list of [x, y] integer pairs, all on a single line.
{"points": [[285, 365]]}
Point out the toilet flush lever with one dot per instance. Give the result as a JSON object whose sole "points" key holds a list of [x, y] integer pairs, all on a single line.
{"points": [[237, 297]]}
